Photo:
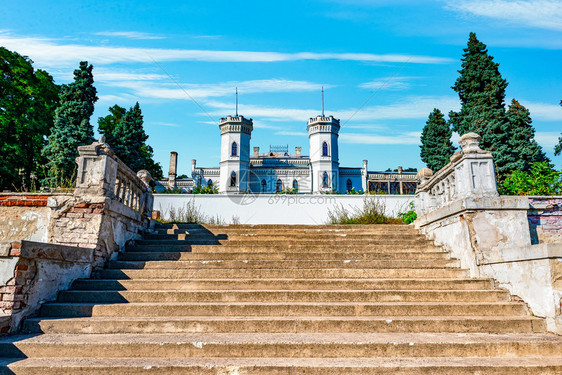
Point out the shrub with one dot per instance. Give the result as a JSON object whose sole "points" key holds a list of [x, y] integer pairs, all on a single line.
{"points": [[541, 179], [409, 216], [354, 192], [372, 212], [191, 214], [209, 189]]}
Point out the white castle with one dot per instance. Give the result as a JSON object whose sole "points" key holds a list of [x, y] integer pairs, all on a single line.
{"points": [[278, 170]]}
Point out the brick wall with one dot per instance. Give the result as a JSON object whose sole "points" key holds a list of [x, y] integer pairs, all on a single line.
{"points": [[30, 200], [545, 219]]}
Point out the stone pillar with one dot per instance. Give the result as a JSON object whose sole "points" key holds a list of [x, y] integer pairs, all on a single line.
{"points": [[173, 170], [298, 151], [365, 179], [256, 152]]}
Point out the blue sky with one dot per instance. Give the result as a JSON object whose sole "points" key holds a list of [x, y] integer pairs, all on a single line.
{"points": [[384, 65]]}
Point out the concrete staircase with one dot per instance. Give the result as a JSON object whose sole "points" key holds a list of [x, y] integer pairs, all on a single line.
{"points": [[235, 300]]}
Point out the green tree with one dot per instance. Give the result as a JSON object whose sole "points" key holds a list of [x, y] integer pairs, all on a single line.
{"points": [[28, 99], [481, 90], [130, 145], [541, 179], [107, 124], [436, 146], [558, 148], [522, 135], [72, 126]]}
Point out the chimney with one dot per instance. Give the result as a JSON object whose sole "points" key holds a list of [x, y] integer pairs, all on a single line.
{"points": [[256, 152], [298, 151], [193, 164], [365, 165], [399, 170], [173, 170]]}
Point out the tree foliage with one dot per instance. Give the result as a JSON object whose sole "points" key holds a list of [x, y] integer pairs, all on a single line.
{"points": [[481, 90], [436, 146], [72, 126], [128, 140], [28, 99], [522, 138], [107, 124], [541, 179]]}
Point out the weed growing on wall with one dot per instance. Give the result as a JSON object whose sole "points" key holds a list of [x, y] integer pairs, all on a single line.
{"points": [[409, 216], [191, 214]]}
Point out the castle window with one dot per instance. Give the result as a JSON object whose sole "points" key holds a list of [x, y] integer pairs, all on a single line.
{"points": [[279, 186], [348, 185], [325, 180], [234, 149], [296, 185], [263, 186], [233, 179], [324, 149]]}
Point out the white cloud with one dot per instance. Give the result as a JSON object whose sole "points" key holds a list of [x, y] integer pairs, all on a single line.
{"points": [[48, 52], [544, 111], [409, 108], [408, 138], [296, 134], [168, 124], [547, 139], [129, 35], [543, 14], [388, 83], [170, 90]]}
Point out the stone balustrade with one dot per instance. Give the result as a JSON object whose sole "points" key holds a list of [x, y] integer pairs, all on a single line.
{"points": [[48, 240], [460, 209]]}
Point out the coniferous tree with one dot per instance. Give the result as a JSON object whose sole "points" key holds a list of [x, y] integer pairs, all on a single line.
{"points": [[107, 124], [28, 99], [558, 148], [72, 126], [522, 141], [481, 90], [436, 146], [130, 145]]}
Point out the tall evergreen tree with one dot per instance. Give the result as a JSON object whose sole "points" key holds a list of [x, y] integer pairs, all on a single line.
{"points": [[72, 126], [130, 145], [558, 148], [436, 146], [107, 124], [28, 99], [522, 135], [481, 90]]}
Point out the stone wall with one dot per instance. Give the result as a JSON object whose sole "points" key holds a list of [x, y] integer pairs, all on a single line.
{"points": [[49, 240], [545, 219]]}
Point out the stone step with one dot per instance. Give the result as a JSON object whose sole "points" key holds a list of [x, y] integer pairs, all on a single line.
{"points": [[288, 241], [270, 324], [285, 366], [384, 309], [148, 256], [276, 236], [288, 284], [112, 296], [283, 264], [284, 248], [262, 273], [287, 227], [283, 345]]}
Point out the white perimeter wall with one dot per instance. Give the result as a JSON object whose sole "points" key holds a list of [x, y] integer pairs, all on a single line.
{"points": [[275, 208]]}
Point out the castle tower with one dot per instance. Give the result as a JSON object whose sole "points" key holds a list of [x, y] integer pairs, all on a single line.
{"points": [[235, 153], [324, 155]]}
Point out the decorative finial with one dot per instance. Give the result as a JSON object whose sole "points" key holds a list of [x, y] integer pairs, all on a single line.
{"points": [[237, 102]]}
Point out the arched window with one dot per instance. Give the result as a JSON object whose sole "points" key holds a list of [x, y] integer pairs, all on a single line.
{"points": [[210, 183], [324, 149], [348, 185], [234, 149], [325, 180], [296, 185], [279, 186], [233, 179], [263, 186]]}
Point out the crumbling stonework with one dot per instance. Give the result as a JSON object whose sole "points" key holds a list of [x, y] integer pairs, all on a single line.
{"points": [[545, 219], [49, 240]]}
